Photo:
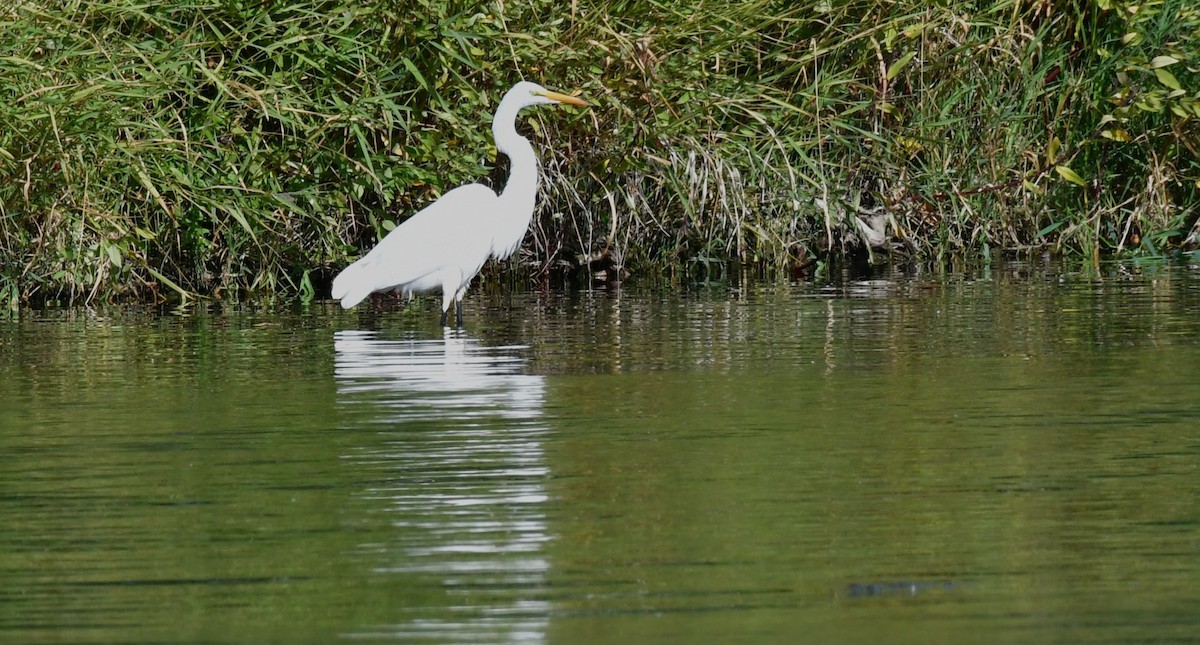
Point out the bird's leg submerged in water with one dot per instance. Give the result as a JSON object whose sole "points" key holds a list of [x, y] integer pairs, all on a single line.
{"points": [[451, 296], [448, 292], [457, 314]]}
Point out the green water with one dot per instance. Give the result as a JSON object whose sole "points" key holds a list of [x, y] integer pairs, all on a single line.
{"points": [[1009, 459]]}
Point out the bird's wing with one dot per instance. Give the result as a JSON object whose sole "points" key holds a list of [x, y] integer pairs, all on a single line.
{"points": [[445, 233], [433, 238], [440, 224]]}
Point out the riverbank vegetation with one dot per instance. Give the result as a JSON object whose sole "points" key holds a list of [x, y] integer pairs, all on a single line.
{"points": [[216, 148]]}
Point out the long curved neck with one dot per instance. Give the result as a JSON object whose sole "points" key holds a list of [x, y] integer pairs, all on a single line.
{"points": [[523, 163], [520, 193]]}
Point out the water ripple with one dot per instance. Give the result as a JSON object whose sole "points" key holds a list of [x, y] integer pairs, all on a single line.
{"points": [[459, 472]]}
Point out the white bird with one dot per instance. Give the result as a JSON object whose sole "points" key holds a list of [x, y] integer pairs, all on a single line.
{"points": [[446, 243]]}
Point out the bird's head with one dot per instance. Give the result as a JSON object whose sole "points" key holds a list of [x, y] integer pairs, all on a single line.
{"points": [[527, 94]]}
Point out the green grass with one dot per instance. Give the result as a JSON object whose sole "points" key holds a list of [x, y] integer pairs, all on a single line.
{"points": [[177, 150]]}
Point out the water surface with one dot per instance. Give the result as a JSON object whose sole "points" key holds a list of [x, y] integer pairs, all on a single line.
{"points": [[902, 459]]}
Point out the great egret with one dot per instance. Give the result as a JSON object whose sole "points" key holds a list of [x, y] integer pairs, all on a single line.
{"points": [[446, 243]]}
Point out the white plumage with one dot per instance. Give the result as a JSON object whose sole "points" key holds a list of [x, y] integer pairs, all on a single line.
{"points": [[446, 244]]}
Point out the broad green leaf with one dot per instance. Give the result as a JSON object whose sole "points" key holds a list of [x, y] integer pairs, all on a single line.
{"points": [[167, 281], [114, 255], [21, 61], [288, 200], [1052, 150], [1050, 229], [1150, 102], [412, 68], [1163, 61], [895, 67], [307, 292], [144, 178], [889, 36], [241, 219], [85, 92], [1167, 78], [1070, 176]]}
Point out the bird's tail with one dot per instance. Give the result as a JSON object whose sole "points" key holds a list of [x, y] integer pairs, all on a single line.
{"points": [[354, 283]]}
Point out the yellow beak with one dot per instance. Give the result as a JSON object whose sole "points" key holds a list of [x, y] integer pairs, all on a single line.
{"points": [[564, 98]]}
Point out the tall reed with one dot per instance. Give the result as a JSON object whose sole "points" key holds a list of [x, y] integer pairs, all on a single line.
{"points": [[221, 147]]}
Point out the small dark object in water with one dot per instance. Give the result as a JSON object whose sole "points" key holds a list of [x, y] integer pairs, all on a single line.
{"points": [[903, 588]]}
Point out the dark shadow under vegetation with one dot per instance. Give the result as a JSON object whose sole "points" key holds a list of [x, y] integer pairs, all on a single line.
{"points": [[174, 150]]}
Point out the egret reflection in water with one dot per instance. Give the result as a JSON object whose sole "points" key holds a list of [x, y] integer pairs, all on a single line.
{"points": [[454, 457]]}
